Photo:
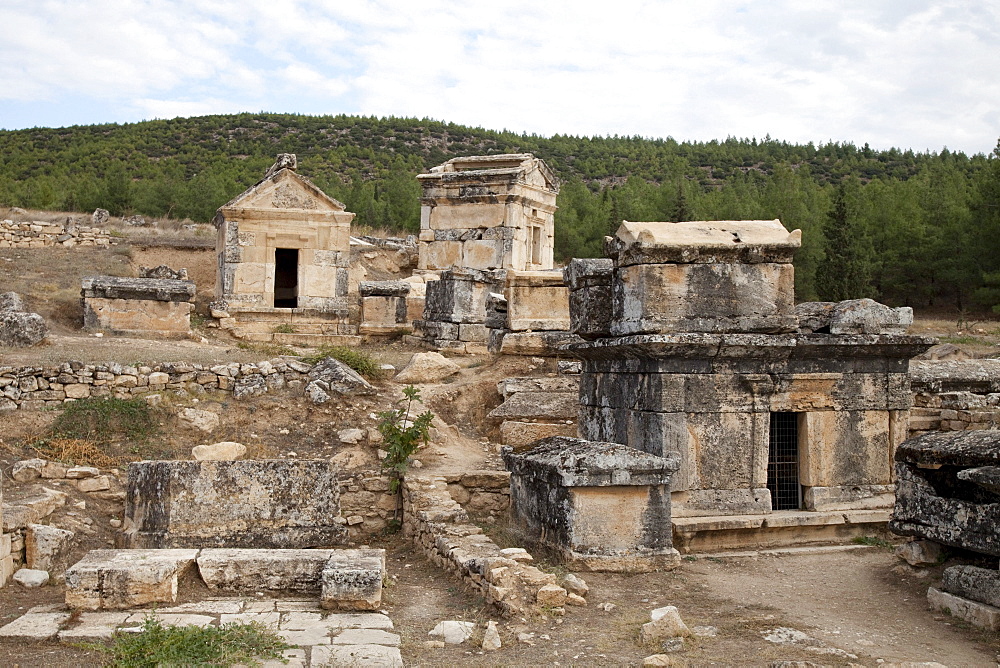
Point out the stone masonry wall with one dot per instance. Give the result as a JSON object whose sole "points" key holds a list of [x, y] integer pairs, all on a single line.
{"points": [[442, 530], [38, 234], [954, 395]]}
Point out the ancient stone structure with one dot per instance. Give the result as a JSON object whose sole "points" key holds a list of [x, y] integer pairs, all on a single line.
{"points": [[487, 224], [700, 353], [159, 307], [268, 503], [387, 307], [284, 253], [39, 234], [602, 506], [948, 489], [954, 395], [536, 407], [488, 212]]}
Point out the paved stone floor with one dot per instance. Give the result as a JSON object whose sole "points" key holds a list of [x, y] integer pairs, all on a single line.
{"points": [[321, 637]]}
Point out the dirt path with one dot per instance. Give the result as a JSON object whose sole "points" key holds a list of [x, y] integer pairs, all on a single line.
{"points": [[860, 601]]}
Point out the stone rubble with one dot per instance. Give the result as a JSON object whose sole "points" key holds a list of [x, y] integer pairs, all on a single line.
{"points": [[39, 234]]}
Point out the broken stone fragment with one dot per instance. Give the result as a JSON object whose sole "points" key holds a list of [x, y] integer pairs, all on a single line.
{"points": [[206, 421], [217, 452], [98, 484], [667, 623], [427, 367], [491, 637], [336, 377], [453, 632], [46, 547], [574, 584], [551, 595], [27, 470], [80, 472], [920, 552], [30, 578]]}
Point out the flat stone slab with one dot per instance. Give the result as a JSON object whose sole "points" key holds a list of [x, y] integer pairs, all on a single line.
{"points": [[978, 614], [371, 656], [95, 626], [126, 578], [263, 570], [35, 625], [352, 580]]}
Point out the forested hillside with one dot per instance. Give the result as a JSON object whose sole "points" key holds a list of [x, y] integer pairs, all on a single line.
{"points": [[906, 228]]}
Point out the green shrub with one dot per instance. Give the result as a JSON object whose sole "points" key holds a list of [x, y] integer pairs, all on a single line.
{"points": [[105, 419], [159, 645], [357, 360], [284, 328], [402, 435]]}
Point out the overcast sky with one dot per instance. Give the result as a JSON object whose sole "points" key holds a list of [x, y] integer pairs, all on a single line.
{"points": [[906, 73]]}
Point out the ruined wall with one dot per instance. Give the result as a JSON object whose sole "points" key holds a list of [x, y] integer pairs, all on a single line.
{"points": [[38, 234], [955, 395]]}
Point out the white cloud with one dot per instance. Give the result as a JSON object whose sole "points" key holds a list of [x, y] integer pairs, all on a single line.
{"points": [[916, 74]]}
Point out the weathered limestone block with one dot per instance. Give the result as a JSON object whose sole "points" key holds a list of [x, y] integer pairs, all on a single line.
{"points": [[352, 580], [537, 300], [430, 367], [138, 305], [269, 503], [978, 614], [248, 570], [138, 289], [459, 296], [11, 301], [972, 582], [947, 489], [19, 329], [521, 434], [589, 282], [717, 276], [551, 405], [47, 548], [163, 271], [114, 579], [385, 306], [604, 506]]}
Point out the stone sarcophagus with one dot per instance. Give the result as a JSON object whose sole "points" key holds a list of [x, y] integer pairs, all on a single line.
{"points": [[948, 489], [602, 506], [138, 306], [488, 212], [238, 504]]}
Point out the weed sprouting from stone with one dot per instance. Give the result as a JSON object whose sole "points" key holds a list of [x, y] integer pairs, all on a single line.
{"points": [[403, 433], [357, 360]]}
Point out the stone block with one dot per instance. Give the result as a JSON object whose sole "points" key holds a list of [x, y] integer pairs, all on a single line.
{"points": [[249, 570], [520, 434], [263, 503], [604, 506], [552, 405], [46, 548], [537, 300], [978, 614], [972, 582], [356, 655], [35, 625], [352, 580], [115, 579]]}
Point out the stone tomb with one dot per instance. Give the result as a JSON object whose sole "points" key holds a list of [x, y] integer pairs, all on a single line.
{"points": [[138, 306], [283, 253], [602, 506], [235, 504], [488, 212], [948, 489], [700, 353]]}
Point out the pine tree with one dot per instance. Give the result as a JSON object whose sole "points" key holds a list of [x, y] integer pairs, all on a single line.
{"points": [[846, 271]]}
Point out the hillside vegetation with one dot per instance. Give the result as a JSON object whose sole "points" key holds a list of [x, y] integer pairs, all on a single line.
{"points": [[906, 228]]}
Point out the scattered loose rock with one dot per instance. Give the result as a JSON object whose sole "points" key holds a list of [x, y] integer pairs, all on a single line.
{"points": [[453, 632], [427, 368], [31, 578], [219, 452]]}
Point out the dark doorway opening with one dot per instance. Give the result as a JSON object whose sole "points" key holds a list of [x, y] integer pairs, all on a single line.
{"points": [[286, 277], [783, 462]]}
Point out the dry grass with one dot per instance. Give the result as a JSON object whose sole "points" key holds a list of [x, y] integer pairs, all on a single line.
{"points": [[77, 451]]}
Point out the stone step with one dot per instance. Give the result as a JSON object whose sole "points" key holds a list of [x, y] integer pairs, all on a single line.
{"points": [[117, 579], [778, 529], [315, 340]]}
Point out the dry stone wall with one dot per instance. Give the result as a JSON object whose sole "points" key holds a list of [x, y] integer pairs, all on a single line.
{"points": [[38, 234]]}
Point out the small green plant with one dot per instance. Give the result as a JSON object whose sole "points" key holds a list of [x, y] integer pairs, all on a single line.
{"points": [[284, 328], [268, 349], [402, 434], [105, 419], [872, 541], [357, 360], [159, 645]]}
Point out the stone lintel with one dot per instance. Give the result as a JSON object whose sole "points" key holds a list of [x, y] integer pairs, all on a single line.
{"points": [[149, 289], [574, 462]]}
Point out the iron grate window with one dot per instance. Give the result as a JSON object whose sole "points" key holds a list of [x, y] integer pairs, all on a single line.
{"points": [[783, 462]]}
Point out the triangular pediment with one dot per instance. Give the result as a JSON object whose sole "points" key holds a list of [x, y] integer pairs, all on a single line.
{"points": [[285, 189]]}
